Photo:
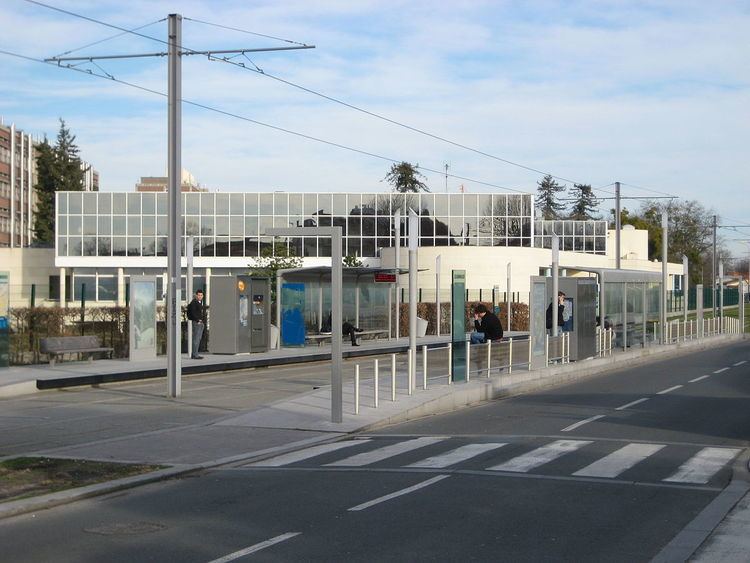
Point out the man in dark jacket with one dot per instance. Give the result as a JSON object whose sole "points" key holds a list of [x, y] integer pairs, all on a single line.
{"points": [[560, 311], [195, 316], [487, 326]]}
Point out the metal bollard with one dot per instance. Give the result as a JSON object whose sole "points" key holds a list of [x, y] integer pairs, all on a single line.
{"points": [[468, 360], [546, 350], [393, 377], [409, 360], [424, 367], [450, 363], [510, 355], [375, 381], [531, 351], [356, 389], [489, 357]]}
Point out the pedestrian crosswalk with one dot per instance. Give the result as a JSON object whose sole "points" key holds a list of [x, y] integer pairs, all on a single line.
{"points": [[678, 464]]}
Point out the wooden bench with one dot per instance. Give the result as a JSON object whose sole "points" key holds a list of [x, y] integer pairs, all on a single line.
{"points": [[60, 345], [322, 337]]}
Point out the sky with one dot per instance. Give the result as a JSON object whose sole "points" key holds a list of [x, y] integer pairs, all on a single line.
{"points": [[655, 94]]}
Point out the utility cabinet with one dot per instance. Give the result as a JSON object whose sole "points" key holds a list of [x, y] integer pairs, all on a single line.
{"points": [[240, 314]]}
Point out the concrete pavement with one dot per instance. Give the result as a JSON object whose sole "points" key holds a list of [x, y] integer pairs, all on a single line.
{"points": [[221, 420]]}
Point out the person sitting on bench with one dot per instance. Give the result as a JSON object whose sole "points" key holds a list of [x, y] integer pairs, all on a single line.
{"points": [[347, 329]]}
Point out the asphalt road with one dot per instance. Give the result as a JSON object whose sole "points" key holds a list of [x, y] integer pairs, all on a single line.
{"points": [[610, 468]]}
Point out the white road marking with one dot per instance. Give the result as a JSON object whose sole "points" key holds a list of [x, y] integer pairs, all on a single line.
{"points": [[623, 407], [539, 456], [621, 460], [293, 457], [581, 423], [740, 363], [455, 456], [255, 548], [380, 454], [699, 378], [664, 391], [703, 465], [405, 491], [720, 370]]}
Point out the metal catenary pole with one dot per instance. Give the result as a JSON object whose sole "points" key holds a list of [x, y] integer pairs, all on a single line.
{"points": [[555, 280], [685, 287], [397, 265], [174, 157], [618, 226], [189, 294], [664, 248], [413, 244], [713, 269]]}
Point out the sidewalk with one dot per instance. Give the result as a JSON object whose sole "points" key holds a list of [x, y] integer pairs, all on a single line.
{"points": [[198, 431]]}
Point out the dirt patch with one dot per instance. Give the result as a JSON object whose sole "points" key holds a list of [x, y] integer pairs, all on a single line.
{"points": [[24, 477]]}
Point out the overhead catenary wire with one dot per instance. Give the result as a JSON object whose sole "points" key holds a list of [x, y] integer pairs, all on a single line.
{"points": [[110, 38], [109, 77], [309, 90], [648, 189]]}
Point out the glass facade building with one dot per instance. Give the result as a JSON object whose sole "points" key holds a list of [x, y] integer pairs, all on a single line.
{"points": [[234, 224]]}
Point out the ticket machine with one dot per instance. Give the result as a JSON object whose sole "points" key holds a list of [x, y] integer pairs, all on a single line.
{"points": [[239, 314]]}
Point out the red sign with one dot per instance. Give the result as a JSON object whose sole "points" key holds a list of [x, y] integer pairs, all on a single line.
{"points": [[385, 278]]}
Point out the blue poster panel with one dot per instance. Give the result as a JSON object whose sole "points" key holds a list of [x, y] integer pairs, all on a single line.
{"points": [[293, 314], [4, 319]]}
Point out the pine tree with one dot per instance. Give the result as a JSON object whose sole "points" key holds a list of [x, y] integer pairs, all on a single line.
{"points": [[58, 169], [584, 204], [405, 177], [546, 199], [44, 214]]}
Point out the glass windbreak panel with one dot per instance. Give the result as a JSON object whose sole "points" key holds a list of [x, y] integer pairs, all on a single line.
{"points": [[62, 246], [89, 224], [355, 226], [161, 246], [74, 225], [251, 247], [105, 204], [526, 205], [601, 228], [526, 227], [222, 204], [75, 205], [236, 247], [266, 246], [600, 245], [295, 204], [324, 247], [613, 313], [207, 246], [75, 246], [222, 246], [236, 204], [635, 309], [295, 246], [368, 226], [193, 204], [368, 247], [207, 204], [149, 204], [251, 204], [134, 204]]}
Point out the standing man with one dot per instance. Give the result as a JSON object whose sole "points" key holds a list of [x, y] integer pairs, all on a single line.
{"points": [[560, 315], [487, 326], [195, 316]]}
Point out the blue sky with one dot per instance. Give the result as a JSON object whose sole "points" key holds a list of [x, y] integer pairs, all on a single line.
{"points": [[654, 94]]}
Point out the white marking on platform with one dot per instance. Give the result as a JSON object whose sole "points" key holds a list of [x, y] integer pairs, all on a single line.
{"points": [[293, 457], [740, 363], [623, 407], [664, 391], [581, 423], [540, 456], [255, 548], [699, 378], [720, 370], [455, 456], [703, 465], [621, 460], [385, 452], [405, 491]]}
